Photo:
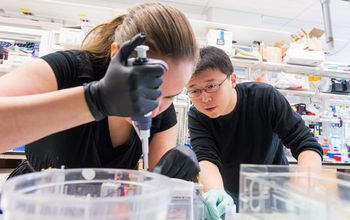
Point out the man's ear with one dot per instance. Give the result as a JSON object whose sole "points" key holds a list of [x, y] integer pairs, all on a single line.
{"points": [[233, 78], [114, 49]]}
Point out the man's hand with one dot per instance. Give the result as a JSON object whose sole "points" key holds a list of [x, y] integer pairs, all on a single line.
{"points": [[216, 202]]}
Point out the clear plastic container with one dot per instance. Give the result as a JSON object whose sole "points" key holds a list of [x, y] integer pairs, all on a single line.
{"points": [[186, 201], [89, 194], [293, 193]]}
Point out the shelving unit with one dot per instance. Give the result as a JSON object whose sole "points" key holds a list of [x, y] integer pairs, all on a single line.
{"points": [[245, 63], [304, 93], [322, 119], [296, 69], [313, 95], [253, 65], [24, 34], [334, 96], [12, 156], [290, 68], [335, 73]]}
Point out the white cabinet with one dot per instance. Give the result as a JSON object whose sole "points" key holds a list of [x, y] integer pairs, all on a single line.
{"points": [[24, 34], [15, 34]]}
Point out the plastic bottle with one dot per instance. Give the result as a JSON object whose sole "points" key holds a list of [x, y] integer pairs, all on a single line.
{"points": [[344, 154]]}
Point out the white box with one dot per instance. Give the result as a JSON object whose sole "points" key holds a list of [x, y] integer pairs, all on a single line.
{"points": [[298, 56], [70, 38], [221, 39]]}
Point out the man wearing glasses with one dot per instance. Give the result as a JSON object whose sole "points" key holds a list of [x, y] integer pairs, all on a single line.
{"points": [[232, 123]]}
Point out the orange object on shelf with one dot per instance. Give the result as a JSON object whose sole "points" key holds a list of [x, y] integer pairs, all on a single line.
{"points": [[325, 150]]}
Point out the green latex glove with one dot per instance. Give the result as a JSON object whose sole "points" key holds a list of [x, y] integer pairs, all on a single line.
{"points": [[216, 201]]}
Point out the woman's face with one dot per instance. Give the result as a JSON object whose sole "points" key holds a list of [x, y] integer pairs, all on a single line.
{"points": [[174, 80]]}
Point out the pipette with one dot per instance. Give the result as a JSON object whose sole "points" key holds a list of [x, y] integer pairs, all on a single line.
{"points": [[143, 124]]}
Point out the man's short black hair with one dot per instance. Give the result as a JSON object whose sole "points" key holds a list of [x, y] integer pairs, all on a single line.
{"points": [[213, 58]]}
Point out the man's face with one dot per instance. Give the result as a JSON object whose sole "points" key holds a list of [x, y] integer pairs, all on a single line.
{"points": [[212, 92]]}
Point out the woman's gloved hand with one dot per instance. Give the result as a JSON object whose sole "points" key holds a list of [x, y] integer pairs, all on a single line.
{"points": [[125, 90], [180, 162], [216, 202]]}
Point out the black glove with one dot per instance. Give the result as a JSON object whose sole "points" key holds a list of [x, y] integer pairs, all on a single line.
{"points": [[125, 90], [180, 162]]}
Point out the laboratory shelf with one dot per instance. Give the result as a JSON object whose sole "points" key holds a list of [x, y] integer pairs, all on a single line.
{"points": [[335, 73], [333, 95], [245, 62], [288, 68], [299, 69], [13, 156], [310, 118], [323, 119], [297, 92]]}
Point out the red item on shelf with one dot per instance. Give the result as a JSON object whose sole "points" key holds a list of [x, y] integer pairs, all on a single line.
{"points": [[337, 157], [310, 113]]}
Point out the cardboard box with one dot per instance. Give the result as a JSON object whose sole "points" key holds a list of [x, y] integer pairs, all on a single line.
{"points": [[313, 40], [272, 54], [306, 48]]}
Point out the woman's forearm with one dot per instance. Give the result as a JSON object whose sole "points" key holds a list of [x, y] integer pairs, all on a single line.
{"points": [[27, 118], [309, 158]]}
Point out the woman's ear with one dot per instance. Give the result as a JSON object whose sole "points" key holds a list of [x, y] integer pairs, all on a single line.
{"points": [[114, 49]]}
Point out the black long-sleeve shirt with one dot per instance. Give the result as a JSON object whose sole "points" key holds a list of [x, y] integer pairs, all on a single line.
{"points": [[253, 133]]}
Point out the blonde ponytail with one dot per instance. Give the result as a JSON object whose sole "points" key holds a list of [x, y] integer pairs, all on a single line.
{"points": [[168, 33], [98, 41]]}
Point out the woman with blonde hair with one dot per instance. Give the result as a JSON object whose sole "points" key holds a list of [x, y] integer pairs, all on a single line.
{"points": [[72, 107]]}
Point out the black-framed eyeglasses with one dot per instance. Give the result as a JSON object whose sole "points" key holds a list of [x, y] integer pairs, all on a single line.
{"points": [[210, 88]]}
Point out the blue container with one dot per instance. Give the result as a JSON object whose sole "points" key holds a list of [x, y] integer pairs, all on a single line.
{"points": [[331, 154], [19, 149]]}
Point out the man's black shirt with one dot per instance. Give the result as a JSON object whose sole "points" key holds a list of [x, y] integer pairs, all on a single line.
{"points": [[253, 133]]}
